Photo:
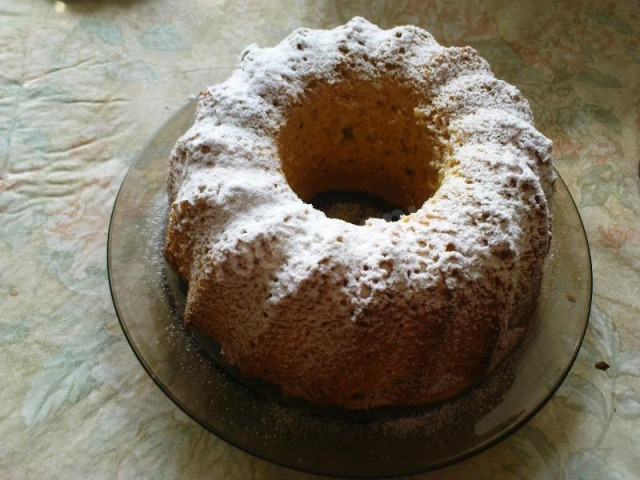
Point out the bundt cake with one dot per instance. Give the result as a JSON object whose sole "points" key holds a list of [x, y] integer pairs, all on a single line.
{"points": [[379, 313]]}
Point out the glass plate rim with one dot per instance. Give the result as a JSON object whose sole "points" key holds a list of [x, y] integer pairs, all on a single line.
{"points": [[482, 447]]}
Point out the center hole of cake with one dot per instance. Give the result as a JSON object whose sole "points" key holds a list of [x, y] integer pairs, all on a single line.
{"points": [[360, 149], [356, 207]]}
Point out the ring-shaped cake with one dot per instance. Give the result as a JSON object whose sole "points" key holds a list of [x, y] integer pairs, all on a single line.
{"points": [[381, 313]]}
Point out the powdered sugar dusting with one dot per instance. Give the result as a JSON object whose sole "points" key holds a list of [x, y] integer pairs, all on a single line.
{"points": [[374, 314]]}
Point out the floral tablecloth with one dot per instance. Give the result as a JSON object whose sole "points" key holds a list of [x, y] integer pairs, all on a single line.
{"points": [[83, 86]]}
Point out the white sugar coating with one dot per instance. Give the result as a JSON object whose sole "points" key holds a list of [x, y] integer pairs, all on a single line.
{"points": [[375, 314]]}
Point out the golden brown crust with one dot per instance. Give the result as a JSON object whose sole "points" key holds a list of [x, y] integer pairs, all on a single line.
{"points": [[361, 316]]}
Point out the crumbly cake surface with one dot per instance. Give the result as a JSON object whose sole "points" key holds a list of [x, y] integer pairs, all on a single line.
{"points": [[359, 316]]}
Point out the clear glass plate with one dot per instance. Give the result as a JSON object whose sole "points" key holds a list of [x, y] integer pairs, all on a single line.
{"points": [[149, 301]]}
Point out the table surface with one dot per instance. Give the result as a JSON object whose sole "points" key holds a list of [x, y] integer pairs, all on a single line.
{"points": [[83, 86]]}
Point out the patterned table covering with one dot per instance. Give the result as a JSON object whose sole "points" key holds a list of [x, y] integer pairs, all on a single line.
{"points": [[83, 86]]}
